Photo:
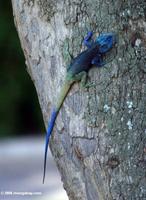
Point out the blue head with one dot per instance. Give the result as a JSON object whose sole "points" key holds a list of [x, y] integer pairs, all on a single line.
{"points": [[106, 41]]}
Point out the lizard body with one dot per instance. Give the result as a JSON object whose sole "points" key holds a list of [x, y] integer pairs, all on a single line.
{"points": [[77, 71]]}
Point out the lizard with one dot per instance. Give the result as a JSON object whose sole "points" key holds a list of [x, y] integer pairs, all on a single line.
{"points": [[77, 71]]}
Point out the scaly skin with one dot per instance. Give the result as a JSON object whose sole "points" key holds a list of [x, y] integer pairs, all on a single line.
{"points": [[77, 71]]}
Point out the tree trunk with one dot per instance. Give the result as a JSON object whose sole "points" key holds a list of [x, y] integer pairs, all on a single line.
{"points": [[99, 140]]}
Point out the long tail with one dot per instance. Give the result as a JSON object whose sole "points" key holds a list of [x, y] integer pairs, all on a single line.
{"points": [[54, 114]]}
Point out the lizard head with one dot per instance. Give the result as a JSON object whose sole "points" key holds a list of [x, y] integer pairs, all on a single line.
{"points": [[106, 41]]}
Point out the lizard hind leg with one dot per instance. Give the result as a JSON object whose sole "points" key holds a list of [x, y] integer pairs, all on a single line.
{"points": [[82, 77]]}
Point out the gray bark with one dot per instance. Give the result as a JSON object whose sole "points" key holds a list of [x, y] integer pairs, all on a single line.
{"points": [[99, 140]]}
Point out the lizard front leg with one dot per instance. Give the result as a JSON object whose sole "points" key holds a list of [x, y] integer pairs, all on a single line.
{"points": [[88, 41]]}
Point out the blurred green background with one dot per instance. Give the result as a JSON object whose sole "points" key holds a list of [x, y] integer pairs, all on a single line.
{"points": [[20, 113]]}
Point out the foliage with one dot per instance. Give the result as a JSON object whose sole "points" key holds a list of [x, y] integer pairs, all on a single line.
{"points": [[19, 108]]}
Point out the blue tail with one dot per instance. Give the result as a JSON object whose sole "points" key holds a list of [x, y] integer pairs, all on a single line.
{"points": [[49, 131]]}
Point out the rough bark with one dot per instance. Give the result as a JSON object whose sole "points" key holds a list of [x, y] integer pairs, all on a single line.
{"points": [[99, 141]]}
